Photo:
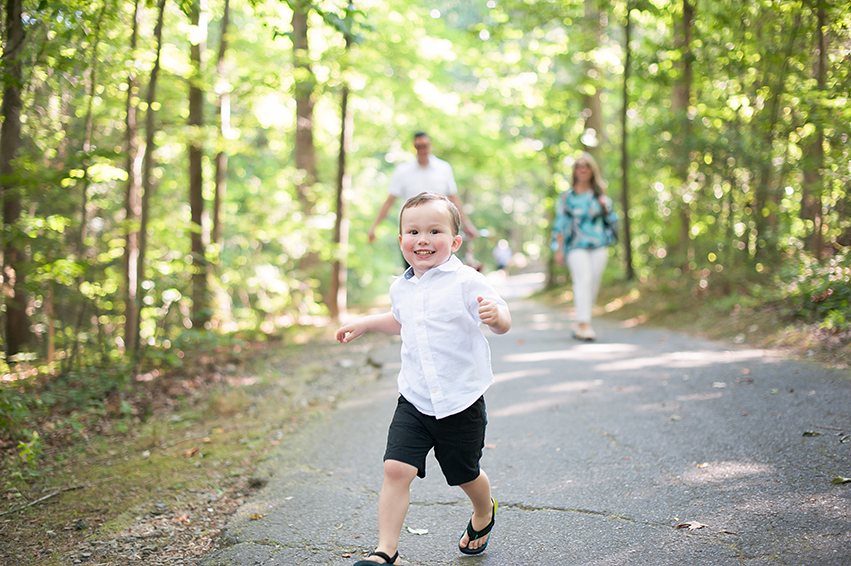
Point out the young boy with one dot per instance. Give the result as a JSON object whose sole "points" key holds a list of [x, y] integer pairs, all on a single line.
{"points": [[437, 306]]}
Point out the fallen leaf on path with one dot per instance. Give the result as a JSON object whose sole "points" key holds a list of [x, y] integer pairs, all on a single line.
{"points": [[191, 452], [256, 516], [346, 555], [692, 525], [840, 480], [417, 531], [811, 433], [746, 371]]}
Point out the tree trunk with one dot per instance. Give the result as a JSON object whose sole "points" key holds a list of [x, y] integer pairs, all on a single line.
{"points": [[811, 198], [18, 332], [223, 112], [132, 201], [625, 233], [337, 292], [681, 99], [147, 167], [765, 193], [305, 85], [593, 108], [200, 290]]}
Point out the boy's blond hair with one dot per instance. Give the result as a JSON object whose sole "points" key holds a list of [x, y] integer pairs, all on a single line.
{"points": [[419, 199]]}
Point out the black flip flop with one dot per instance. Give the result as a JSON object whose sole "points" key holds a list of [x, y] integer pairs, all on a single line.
{"points": [[378, 553], [474, 534]]}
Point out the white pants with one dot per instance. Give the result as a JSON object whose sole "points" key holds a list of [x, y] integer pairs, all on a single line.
{"points": [[586, 270]]}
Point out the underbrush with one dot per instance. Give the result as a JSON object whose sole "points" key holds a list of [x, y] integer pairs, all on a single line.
{"points": [[176, 447]]}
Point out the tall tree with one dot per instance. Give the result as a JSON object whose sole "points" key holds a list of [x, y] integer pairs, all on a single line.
{"points": [[148, 182], [305, 90], [89, 127], [626, 238], [223, 118], [18, 332], [766, 195], [132, 199], [811, 188], [337, 291], [593, 107], [680, 102], [200, 287]]}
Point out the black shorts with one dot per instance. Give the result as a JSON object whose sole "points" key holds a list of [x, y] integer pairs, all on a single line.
{"points": [[457, 440]]}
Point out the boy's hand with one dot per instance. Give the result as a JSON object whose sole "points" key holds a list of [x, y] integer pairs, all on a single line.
{"points": [[494, 315], [349, 332], [383, 323]]}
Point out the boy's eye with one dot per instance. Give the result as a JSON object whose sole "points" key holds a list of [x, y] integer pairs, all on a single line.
{"points": [[412, 232], [435, 231]]}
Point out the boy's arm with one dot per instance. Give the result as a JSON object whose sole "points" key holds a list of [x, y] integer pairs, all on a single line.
{"points": [[384, 323], [493, 314]]}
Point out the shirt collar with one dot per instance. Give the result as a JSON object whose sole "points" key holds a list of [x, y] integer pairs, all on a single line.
{"points": [[451, 264]]}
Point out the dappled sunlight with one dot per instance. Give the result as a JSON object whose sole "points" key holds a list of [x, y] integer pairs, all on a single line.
{"points": [[547, 397], [389, 391], [714, 472], [684, 359], [523, 408], [509, 375], [700, 397], [579, 352], [569, 386], [620, 302]]}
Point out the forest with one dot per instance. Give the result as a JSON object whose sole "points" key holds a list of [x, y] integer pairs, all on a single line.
{"points": [[187, 174]]}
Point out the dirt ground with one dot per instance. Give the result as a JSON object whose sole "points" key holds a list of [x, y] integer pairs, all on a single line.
{"points": [[161, 492]]}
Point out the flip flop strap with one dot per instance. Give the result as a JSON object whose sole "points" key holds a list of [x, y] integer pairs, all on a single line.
{"points": [[474, 534], [384, 556]]}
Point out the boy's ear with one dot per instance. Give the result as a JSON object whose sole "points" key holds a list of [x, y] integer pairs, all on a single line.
{"points": [[456, 242]]}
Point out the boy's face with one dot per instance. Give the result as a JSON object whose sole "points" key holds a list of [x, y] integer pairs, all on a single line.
{"points": [[426, 236]]}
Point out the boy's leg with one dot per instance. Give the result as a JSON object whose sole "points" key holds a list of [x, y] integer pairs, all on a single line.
{"points": [[479, 492], [393, 504]]}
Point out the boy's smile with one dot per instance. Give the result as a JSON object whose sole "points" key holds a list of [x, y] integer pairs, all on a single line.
{"points": [[427, 239]]}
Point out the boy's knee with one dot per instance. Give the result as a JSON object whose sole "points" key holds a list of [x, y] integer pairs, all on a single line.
{"points": [[397, 471]]}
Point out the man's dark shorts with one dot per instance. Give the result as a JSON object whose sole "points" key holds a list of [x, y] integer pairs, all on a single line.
{"points": [[457, 440]]}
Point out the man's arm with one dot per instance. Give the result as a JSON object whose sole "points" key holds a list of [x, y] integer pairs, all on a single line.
{"points": [[469, 229], [381, 214]]}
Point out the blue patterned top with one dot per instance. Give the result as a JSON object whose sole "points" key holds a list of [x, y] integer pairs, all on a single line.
{"points": [[580, 217]]}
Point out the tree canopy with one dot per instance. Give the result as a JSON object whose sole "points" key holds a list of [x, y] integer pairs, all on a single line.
{"points": [[737, 153]]}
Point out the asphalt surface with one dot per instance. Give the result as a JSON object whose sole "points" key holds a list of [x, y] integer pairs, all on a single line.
{"points": [[645, 447]]}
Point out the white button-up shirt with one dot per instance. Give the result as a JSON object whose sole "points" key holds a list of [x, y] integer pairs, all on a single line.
{"points": [[410, 179], [446, 362]]}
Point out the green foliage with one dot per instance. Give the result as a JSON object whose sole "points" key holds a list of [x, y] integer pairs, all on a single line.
{"points": [[819, 292], [716, 195], [31, 451]]}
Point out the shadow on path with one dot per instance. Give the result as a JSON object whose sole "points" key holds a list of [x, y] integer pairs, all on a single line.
{"points": [[597, 453]]}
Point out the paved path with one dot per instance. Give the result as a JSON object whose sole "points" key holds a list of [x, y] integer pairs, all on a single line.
{"points": [[596, 451]]}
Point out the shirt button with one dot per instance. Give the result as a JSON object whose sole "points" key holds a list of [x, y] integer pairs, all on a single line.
{"points": [[419, 322], [425, 356], [434, 389]]}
